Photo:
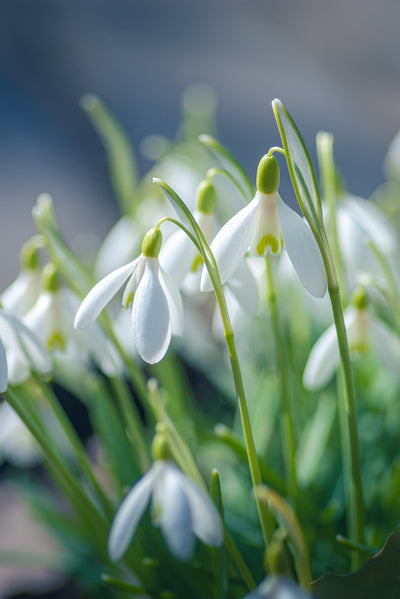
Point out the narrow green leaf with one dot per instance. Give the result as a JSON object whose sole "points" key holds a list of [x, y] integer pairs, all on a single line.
{"points": [[121, 160], [299, 164]]}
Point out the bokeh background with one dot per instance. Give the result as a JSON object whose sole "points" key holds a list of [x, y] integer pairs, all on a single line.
{"points": [[334, 64]]}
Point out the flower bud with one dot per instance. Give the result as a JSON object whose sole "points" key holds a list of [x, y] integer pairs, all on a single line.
{"points": [[206, 197]]}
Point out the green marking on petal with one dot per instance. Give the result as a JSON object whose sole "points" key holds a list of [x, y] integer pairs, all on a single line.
{"points": [[197, 263], [129, 299], [56, 341], [268, 241]]}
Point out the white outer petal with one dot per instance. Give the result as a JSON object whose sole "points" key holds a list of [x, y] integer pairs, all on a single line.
{"points": [[151, 315], [322, 361], [387, 345], [23, 292], [244, 287], [177, 255], [175, 518], [232, 242], [206, 522], [302, 249], [102, 294], [130, 513], [3, 369], [19, 339], [372, 221], [174, 300]]}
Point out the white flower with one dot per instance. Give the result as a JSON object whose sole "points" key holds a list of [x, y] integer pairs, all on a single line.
{"points": [[180, 509], [364, 332], [20, 351], [17, 445], [51, 319], [358, 222], [277, 587], [264, 226], [156, 302]]}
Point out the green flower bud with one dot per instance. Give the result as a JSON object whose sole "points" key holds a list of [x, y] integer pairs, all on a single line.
{"points": [[268, 175], [50, 278], [151, 245], [206, 197]]}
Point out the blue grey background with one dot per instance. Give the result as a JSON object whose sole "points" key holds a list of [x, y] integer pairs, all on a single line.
{"points": [[334, 64]]}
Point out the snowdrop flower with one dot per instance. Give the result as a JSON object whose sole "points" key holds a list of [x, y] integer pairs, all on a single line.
{"points": [[20, 352], [275, 587], [23, 292], [364, 332], [51, 319], [180, 509], [17, 445], [264, 226], [156, 302], [358, 222]]}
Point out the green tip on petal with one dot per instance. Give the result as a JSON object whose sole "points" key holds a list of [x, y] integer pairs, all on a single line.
{"points": [[268, 175], [206, 197], [50, 278], [151, 245], [360, 298]]}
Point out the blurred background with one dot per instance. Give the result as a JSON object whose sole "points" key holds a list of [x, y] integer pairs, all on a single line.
{"points": [[334, 64]]}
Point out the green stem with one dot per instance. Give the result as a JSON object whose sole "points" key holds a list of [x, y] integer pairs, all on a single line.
{"points": [[346, 405], [94, 521], [132, 421], [288, 437], [75, 443], [263, 512]]}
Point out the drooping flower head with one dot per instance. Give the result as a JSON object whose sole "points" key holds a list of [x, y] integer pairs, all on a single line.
{"points": [[265, 226], [180, 508], [364, 332], [156, 302]]}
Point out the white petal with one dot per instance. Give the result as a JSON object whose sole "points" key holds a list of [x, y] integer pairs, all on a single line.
{"points": [[151, 316], [122, 242], [302, 249], [19, 339], [244, 287], [130, 513], [232, 242], [206, 522], [18, 371], [174, 300], [3, 369], [387, 345], [101, 294], [21, 294], [177, 255], [322, 361], [175, 514], [373, 222]]}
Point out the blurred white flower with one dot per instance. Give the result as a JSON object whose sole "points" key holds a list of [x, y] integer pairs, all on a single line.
{"points": [[179, 507], [20, 352], [364, 332], [17, 445], [51, 319], [276, 587], [156, 302], [358, 222]]}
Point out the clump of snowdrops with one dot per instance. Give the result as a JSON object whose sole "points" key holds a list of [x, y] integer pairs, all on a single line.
{"points": [[239, 362]]}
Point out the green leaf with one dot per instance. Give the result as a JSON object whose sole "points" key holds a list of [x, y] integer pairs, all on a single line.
{"points": [[378, 577], [299, 164], [121, 160]]}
